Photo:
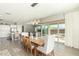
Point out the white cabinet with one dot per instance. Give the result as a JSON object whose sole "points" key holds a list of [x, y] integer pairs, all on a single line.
{"points": [[72, 29], [4, 30]]}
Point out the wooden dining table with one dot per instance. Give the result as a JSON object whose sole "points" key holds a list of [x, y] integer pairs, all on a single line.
{"points": [[38, 42]]}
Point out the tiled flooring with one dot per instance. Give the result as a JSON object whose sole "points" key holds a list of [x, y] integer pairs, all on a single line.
{"points": [[11, 48], [62, 50], [14, 48]]}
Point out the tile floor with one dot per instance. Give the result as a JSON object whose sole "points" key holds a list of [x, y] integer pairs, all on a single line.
{"points": [[15, 48]]}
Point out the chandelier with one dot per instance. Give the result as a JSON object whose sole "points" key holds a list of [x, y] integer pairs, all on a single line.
{"points": [[35, 22]]}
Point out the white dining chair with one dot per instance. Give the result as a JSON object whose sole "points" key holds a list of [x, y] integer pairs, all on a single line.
{"points": [[48, 48]]}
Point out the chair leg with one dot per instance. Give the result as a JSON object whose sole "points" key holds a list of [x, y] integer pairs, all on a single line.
{"points": [[31, 52], [53, 53], [26, 49], [35, 53]]}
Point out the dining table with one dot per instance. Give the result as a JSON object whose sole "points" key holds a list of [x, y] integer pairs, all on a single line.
{"points": [[38, 42]]}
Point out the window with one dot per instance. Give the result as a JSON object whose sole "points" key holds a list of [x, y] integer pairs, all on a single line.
{"points": [[61, 26], [44, 30], [53, 28]]}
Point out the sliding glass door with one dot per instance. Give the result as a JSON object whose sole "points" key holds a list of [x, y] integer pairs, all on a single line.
{"points": [[44, 30], [59, 31], [53, 29]]}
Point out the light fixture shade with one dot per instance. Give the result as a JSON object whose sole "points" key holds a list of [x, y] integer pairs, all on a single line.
{"points": [[35, 22]]}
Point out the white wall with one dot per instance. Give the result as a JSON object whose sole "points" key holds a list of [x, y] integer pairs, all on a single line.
{"points": [[72, 29]]}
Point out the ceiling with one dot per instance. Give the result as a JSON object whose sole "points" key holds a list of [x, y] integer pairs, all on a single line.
{"points": [[23, 12]]}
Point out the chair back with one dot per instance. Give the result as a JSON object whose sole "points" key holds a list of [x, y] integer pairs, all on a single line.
{"points": [[45, 41], [49, 43], [24, 41], [29, 45]]}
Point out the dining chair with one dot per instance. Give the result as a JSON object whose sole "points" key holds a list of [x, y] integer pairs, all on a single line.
{"points": [[24, 42], [48, 48], [30, 47]]}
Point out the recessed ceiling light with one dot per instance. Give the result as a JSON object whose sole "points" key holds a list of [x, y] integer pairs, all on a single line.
{"points": [[34, 4]]}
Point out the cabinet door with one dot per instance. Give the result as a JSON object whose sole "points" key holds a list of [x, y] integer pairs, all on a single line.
{"points": [[4, 30]]}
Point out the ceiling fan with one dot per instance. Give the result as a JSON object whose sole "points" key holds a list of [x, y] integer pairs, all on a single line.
{"points": [[34, 4]]}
